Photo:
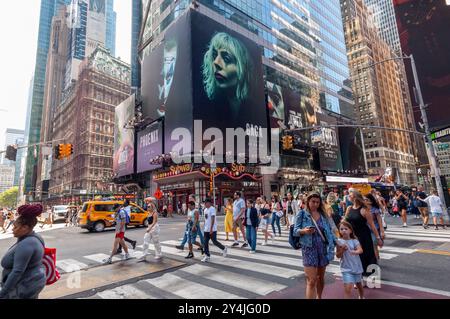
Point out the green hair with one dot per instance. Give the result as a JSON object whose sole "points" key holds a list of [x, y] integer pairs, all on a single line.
{"points": [[244, 65]]}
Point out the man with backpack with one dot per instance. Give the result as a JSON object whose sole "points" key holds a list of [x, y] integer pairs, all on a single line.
{"points": [[127, 209], [120, 218]]}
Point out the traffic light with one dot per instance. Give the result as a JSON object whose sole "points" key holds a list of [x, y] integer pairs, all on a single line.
{"points": [[63, 150], [288, 142], [11, 153]]}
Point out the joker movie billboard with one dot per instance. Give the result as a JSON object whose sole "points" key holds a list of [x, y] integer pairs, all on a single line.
{"points": [[123, 159], [204, 72]]}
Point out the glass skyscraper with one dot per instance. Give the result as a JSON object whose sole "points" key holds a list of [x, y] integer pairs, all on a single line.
{"points": [[303, 41], [111, 17], [135, 31], [49, 8]]}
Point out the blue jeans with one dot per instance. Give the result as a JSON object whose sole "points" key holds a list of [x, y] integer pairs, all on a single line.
{"points": [[276, 219], [199, 233], [251, 236]]}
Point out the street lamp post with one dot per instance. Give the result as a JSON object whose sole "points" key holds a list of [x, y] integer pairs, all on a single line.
{"points": [[432, 156]]}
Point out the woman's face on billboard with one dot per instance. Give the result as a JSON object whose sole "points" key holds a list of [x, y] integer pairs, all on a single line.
{"points": [[225, 68]]}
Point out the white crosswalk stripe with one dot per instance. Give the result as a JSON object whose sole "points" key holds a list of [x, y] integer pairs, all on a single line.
{"points": [[239, 275], [420, 235], [188, 289], [70, 265]]}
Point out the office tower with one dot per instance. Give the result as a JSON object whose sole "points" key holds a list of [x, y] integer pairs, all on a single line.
{"points": [[111, 17], [136, 23], [303, 55], [48, 9], [54, 84], [86, 118], [378, 95], [14, 137], [6, 177]]}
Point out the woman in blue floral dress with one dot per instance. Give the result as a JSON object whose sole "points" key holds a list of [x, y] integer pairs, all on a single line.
{"points": [[313, 225]]}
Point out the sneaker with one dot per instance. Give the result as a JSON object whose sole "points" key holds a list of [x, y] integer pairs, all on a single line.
{"points": [[126, 257], [107, 261], [425, 226], [158, 257], [252, 252], [235, 244], [134, 245], [142, 258], [244, 245], [224, 252], [190, 255], [205, 259], [404, 225], [264, 243], [179, 247], [436, 228]]}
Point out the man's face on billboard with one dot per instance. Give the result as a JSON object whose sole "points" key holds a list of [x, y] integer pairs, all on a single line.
{"points": [[225, 68]]}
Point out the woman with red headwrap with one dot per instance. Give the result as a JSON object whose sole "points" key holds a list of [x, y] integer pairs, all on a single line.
{"points": [[23, 274]]}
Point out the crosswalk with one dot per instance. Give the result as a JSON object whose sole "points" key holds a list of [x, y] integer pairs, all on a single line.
{"points": [[239, 275], [418, 234]]}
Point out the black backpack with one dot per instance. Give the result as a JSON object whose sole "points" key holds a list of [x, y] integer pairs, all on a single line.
{"points": [[294, 239]]}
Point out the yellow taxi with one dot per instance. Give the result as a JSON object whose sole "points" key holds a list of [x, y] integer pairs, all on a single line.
{"points": [[98, 215]]}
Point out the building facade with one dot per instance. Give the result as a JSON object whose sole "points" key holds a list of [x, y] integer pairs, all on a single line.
{"points": [[111, 19], [47, 11], [14, 137], [136, 23], [379, 99], [6, 177], [303, 50], [86, 118]]}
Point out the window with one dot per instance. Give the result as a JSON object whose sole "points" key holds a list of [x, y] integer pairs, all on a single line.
{"points": [[104, 208]]}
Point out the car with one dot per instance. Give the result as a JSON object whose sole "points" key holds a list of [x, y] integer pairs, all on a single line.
{"points": [[60, 212], [96, 216]]}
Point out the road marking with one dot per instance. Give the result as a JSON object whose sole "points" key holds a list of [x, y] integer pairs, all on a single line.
{"points": [[417, 234], [434, 252], [125, 292], [416, 238], [258, 286], [398, 249], [243, 264], [418, 288], [70, 265], [188, 289]]}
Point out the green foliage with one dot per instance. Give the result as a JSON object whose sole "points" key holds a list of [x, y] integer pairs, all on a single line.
{"points": [[9, 197]]}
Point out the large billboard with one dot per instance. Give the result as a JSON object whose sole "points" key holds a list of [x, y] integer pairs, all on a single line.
{"points": [[149, 145], [327, 141], [351, 149], [123, 159], [228, 80], [167, 82], [204, 72], [288, 110]]}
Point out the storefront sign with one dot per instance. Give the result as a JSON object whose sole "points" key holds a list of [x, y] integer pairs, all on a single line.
{"points": [[344, 179], [174, 171], [364, 189]]}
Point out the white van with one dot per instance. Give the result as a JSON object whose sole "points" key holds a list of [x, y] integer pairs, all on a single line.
{"points": [[60, 212]]}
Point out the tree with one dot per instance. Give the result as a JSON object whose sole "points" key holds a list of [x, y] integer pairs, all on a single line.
{"points": [[9, 197]]}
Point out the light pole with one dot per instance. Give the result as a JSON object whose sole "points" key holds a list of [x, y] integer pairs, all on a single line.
{"points": [[432, 156]]}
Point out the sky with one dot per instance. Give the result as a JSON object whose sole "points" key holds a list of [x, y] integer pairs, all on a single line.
{"points": [[18, 55]]}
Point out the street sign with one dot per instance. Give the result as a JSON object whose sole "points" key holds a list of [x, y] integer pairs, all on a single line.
{"points": [[158, 194], [440, 133]]}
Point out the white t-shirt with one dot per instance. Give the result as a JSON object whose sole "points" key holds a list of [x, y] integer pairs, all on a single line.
{"points": [[209, 212], [237, 206], [435, 204]]}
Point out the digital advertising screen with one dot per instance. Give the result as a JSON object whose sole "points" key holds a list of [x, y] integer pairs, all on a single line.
{"points": [[327, 142], [123, 159], [149, 145], [351, 148], [227, 77]]}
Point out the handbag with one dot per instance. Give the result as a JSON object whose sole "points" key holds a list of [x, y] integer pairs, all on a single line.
{"points": [[294, 239], [49, 261]]}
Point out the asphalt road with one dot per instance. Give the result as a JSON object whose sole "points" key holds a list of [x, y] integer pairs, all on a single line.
{"points": [[413, 258]]}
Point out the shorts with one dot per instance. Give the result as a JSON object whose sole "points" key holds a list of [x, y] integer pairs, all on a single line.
{"points": [[350, 278], [263, 223], [238, 223], [437, 214], [120, 235]]}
